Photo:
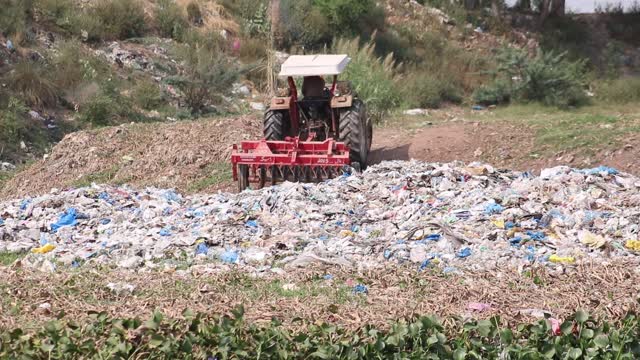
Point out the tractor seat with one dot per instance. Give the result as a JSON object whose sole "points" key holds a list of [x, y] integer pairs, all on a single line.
{"points": [[313, 87]]}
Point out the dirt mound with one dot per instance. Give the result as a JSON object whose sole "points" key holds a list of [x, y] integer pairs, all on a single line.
{"points": [[153, 154]]}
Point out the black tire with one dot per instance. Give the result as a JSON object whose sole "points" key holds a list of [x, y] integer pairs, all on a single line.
{"points": [[243, 177], [275, 124], [353, 132]]}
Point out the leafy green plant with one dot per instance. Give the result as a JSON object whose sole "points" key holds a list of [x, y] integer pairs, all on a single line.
{"points": [[55, 12], [31, 82], [198, 336], [426, 90], [354, 17], [147, 95], [16, 127], [302, 24], [107, 107], [374, 79], [547, 78], [170, 19], [74, 64], [15, 17]]}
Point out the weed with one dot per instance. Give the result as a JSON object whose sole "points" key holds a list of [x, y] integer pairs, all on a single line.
{"points": [[15, 18], [120, 19], [56, 12], [170, 19], [30, 81], [214, 174], [8, 258], [194, 14], [147, 95], [620, 91], [374, 79], [103, 177]]}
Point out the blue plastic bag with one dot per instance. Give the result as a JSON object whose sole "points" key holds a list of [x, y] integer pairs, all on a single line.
{"points": [[202, 248], [230, 256], [493, 208], [360, 289], [68, 218], [463, 253]]}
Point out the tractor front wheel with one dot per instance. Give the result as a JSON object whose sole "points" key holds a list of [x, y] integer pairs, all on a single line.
{"points": [[354, 132], [275, 124]]}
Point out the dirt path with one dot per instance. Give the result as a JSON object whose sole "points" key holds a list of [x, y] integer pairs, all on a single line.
{"points": [[500, 144]]}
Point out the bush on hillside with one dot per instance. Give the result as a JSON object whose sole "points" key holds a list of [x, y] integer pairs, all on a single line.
{"points": [[170, 19], [194, 14], [15, 16], [548, 78], [120, 19], [16, 127], [374, 79], [55, 12], [302, 24], [74, 65], [107, 107], [425, 89], [30, 81], [352, 17], [147, 95], [206, 76]]}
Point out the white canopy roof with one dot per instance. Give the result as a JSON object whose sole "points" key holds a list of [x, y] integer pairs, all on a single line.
{"points": [[309, 65]]}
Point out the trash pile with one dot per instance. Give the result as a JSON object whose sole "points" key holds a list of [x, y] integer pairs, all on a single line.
{"points": [[453, 217]]}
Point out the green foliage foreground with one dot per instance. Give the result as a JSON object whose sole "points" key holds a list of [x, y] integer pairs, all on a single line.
{"points": [[199, 337]]}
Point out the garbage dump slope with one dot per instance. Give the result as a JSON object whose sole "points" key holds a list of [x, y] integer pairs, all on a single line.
{"points": [[452, 217], [144, 154]]}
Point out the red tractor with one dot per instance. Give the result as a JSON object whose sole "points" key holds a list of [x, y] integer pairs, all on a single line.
{"points": [[317, 135]]}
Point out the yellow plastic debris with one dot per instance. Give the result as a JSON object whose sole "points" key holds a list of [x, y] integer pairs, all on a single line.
{"points": [[498, 223], [591, 240], [562, 259], [345, 233], [43, 249], [633, 245]]}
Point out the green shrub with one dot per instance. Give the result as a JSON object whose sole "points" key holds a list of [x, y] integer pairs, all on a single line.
{"points": [[15, 17], [252, 50], [107, 107], [120, 19], [16, 126], [374, 79], [147, 95], [351, 17], [498, 92], [302, 24], [206, 76], [428, 90], [31, 82], [194, 14], [547, 78], [74, 65], [621, 91], [210, 41], [170, 19], [87, 26]]}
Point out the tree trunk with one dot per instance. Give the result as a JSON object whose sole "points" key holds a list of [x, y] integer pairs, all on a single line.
{"points": [[524, 5], [544, 11], [495, 9], [557, 9]]}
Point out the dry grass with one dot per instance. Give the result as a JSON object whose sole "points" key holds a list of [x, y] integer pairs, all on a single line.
{"points": [[608, 291]]}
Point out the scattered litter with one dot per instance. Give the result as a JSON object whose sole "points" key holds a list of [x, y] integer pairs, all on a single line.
{"points": [[360, 289], [121, 288], [43, 249], [562, 259], [290, 287], [452, 217]]}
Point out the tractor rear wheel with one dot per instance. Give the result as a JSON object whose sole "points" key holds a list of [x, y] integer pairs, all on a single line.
{"points": [[354, 132], [275, 124]]}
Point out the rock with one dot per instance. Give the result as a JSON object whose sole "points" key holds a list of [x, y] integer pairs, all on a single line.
{"points": [[257, 106], [131, 262], [416, 112], [5, 166]]}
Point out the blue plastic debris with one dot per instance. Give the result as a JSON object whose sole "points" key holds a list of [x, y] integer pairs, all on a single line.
{"points": [[105, 221], [493, 208], [433, 237], [328, 277], [202, 248], [229, 256], [10, 45], [355, 228], [167, 211], [387, 254], [75, 264], [536, 235], [1, 221], [68, 218], [43, 239], [171, 196], [425, 264], [477, 107], [24, 204], [449, 270], [600, 169], [463, 253], [360, 289], [251, 224], [509, 225], [339, 223], [515, 241], [324, 237], [165, 232], [530, 255]]}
